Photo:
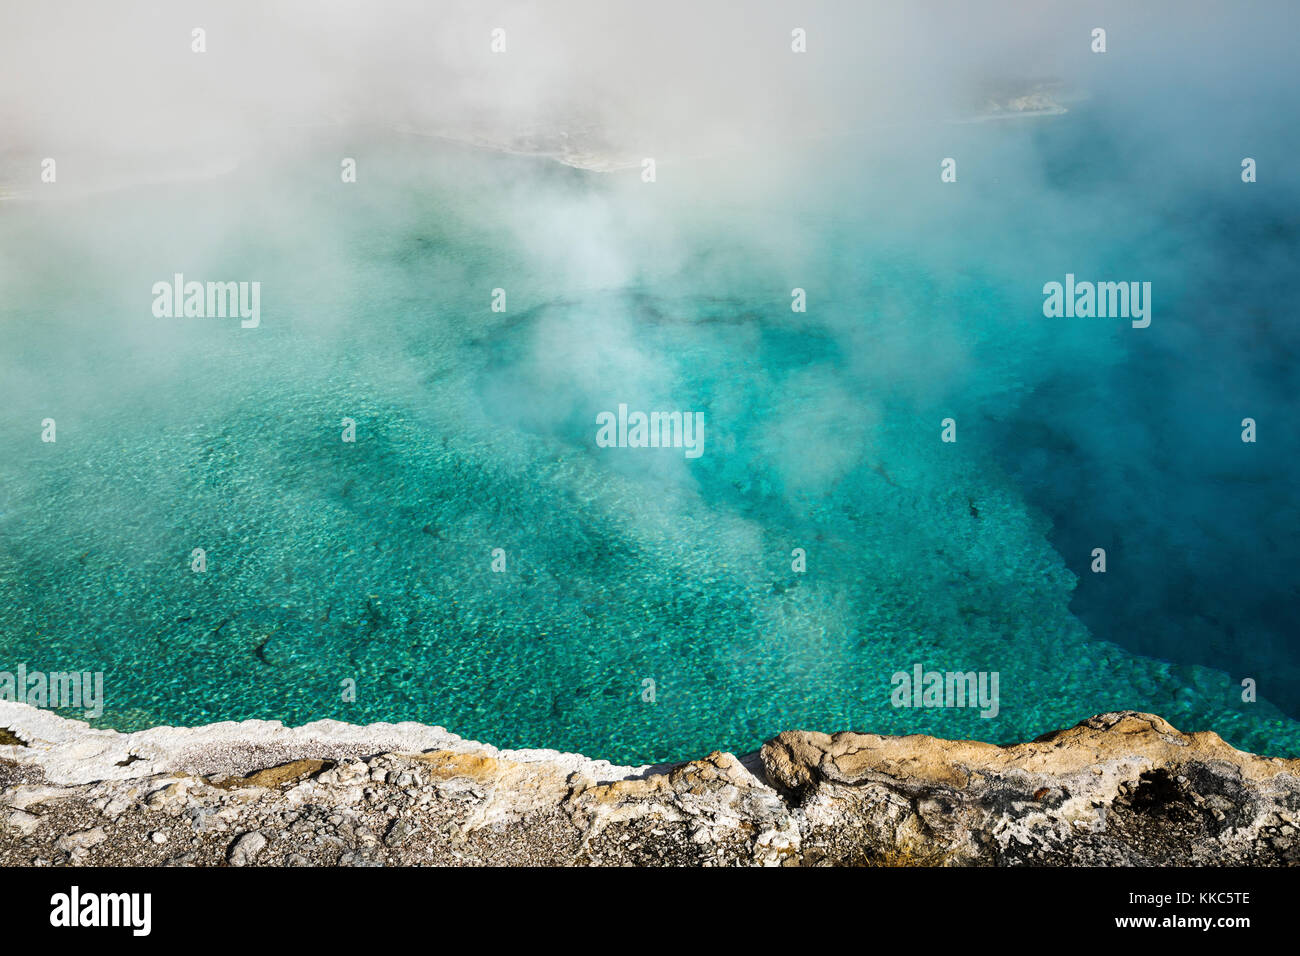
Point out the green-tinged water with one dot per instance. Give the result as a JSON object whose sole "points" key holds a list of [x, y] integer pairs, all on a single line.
{"points": [[372, 561]]}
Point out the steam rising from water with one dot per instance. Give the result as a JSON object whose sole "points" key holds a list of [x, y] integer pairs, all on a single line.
{"points": [[779, 171]]}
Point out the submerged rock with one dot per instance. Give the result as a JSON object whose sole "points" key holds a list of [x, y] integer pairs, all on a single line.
{"points": [[1122, 788]]}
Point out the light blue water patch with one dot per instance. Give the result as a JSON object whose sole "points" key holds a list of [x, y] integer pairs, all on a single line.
{"points": [[630, 574]]}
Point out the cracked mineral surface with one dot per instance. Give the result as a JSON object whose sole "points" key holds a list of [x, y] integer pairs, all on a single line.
{"points": [[1117, 789]]}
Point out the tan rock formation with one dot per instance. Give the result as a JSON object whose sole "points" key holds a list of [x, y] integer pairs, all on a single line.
{"points": [[1120, 789]]}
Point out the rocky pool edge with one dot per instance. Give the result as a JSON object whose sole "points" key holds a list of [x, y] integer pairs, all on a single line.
{"points": [[1120, 789]]}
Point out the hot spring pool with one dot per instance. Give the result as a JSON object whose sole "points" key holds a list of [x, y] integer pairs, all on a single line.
{"points": [[649, 608]]}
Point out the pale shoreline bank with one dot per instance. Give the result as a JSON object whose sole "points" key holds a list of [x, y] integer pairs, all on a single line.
{"points": [[1118, 789]]}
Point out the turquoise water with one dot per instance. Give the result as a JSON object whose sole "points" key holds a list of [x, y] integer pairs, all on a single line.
{"points": [[372, 561]]}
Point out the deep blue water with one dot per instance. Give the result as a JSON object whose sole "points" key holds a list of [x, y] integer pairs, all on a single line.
{"points": [[372, 561]]}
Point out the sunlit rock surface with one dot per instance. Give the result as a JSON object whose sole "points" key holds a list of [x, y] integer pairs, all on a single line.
{"points": [[1117, 789]]}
